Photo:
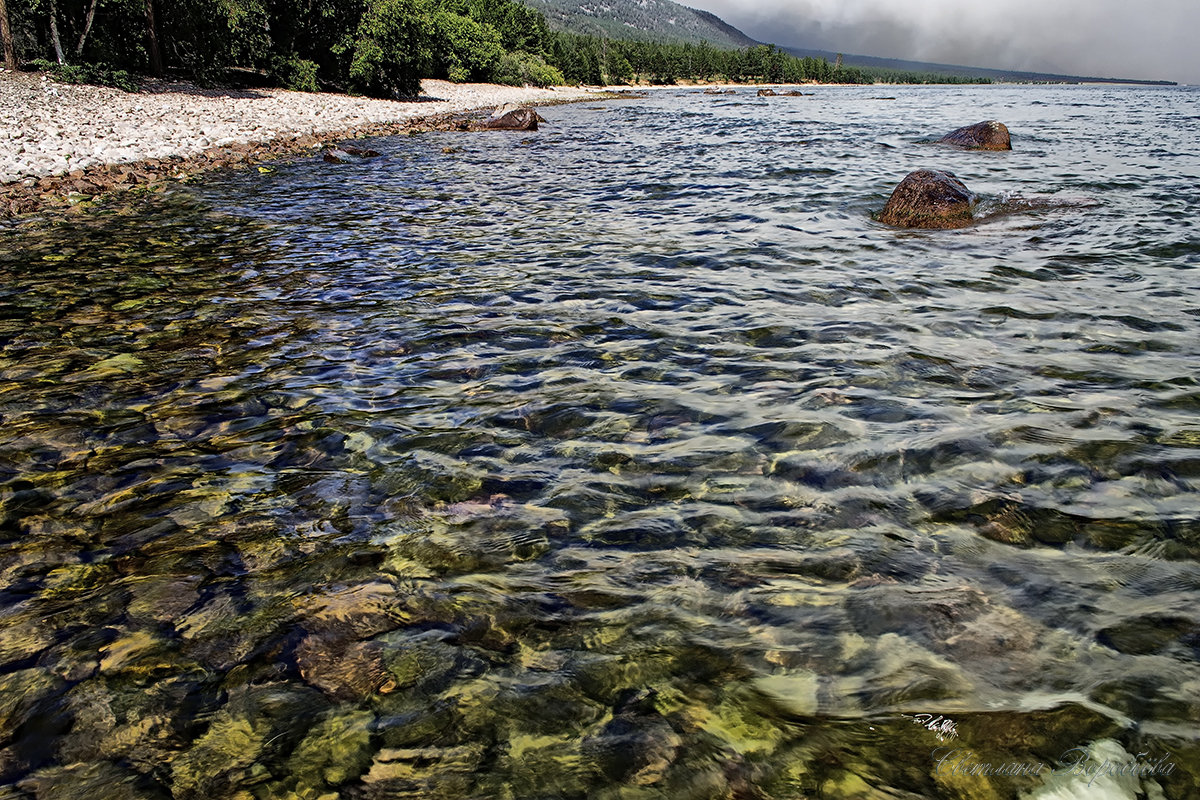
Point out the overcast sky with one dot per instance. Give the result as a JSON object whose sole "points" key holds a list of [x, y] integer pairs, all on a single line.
{"points": [[1145, 39]]}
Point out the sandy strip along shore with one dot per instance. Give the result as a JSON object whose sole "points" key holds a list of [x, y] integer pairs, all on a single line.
{"points": [[61, 144]]}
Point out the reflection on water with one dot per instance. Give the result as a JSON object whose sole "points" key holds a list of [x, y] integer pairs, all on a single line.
{"points": [[631, 459]]}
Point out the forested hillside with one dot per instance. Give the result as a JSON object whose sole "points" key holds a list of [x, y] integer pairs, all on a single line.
{"points": [[644, 20], [381, 48], [896, 70], [376, 47]]}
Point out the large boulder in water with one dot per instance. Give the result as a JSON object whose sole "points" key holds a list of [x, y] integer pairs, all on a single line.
{"points": [[990, 135], [929, 199], [519, 119]]}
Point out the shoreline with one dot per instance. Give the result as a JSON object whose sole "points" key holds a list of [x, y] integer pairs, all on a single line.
{"points": [[69, 146]]}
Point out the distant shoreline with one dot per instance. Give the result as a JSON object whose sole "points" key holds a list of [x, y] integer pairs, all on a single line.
{"points": [[71, 145]]}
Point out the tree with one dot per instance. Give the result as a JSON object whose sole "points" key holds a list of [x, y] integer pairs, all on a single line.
{"points": [[463, 48], [156, 64], [58, 51], [392, 49], [6, 40]]}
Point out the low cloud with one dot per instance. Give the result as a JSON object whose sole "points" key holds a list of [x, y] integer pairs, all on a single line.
{"points": [[1102, 38]]}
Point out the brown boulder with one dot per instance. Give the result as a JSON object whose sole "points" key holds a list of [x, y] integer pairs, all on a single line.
{"points": [[519, 119], [766, 92], [990, 135], [929, 199]]}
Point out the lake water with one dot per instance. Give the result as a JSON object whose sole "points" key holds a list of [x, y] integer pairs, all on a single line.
{"points": [[630, 458]]}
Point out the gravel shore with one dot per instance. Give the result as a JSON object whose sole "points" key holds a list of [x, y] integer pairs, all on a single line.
{"points": [[48, 128], [63, 144]]}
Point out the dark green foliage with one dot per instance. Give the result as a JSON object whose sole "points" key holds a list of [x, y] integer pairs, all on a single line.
{"points": [[520, 69], [590, 60], [521, 28], [96, 74], [464, 49], [205, 37], [385, 47], [900, 76], [392, 49], [297, 74]]}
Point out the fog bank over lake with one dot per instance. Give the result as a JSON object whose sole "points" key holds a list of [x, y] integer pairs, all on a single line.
{"points": [[1099, 38]]}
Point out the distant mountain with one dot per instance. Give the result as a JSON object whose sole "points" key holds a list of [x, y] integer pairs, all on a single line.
{"points": [[960, 71], [667, 21], [646, 20]]}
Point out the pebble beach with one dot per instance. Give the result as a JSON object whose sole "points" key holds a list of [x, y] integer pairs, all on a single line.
{"points": [[57, 139]]}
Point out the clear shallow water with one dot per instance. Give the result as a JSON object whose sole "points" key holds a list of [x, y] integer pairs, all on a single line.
{"points": [[630, 458]]}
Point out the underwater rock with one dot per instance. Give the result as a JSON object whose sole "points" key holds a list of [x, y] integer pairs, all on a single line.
{"points": [[423, 772], [893, 670], [335, 750], [1149, 633], [476, 535], [255, 724], [997, 632], [96, 781], [929, 199], [220, 759], [157, 599], [927, 615], [20, 694], [519, 119], [347, 670], [637, 745], [989, 135], [355, 612], [23, 635], [794, 691], [425, 662]]}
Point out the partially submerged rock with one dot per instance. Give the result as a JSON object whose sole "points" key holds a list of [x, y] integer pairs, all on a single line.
{"points": [[929, 199], [348, 153], [766, 92], [989, 135], [518, 119]]}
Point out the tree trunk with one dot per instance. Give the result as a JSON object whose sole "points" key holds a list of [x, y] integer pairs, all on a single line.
{"points": [[10, 55], [156, 67], [58, 53], [87, 28]]}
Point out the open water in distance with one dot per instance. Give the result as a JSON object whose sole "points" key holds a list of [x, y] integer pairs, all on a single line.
{"points": [[626, 459]]}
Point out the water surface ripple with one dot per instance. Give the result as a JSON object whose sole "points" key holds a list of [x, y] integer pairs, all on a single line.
{"points": [[630, 458]]}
